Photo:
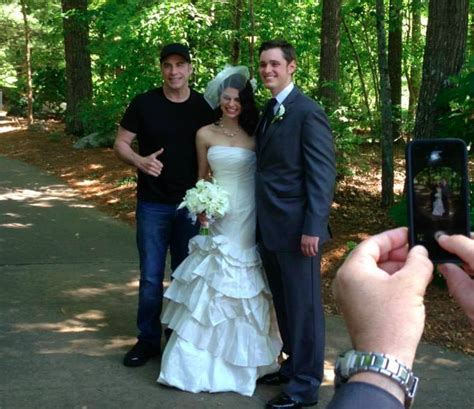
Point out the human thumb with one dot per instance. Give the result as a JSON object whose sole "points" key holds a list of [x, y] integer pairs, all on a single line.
{"points": [[419, 266], [158, 152]]}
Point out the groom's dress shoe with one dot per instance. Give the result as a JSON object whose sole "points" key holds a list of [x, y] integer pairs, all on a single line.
{"points": [[272, 379], [283, 401]]}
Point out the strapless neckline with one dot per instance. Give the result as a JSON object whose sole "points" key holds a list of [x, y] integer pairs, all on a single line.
{"points": [[231, 147]]}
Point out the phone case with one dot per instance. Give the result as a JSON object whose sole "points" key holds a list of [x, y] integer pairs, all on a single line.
{"points": [[437, 193]]}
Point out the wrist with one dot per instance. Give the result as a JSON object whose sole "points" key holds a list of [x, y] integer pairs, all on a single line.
{"points": [[402, 354], [401, 345], [372, 367]]}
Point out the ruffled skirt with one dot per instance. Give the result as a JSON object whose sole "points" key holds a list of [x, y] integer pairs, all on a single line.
{"points": [[221, 312]]}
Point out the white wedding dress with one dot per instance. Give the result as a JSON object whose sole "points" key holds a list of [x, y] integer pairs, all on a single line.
{"points": [[438, 207], [224, 334]]}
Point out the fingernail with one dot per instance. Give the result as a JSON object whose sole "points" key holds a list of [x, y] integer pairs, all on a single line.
{"points": [[438, 234]]}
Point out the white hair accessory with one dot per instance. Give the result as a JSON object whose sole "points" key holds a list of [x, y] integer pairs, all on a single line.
{"points": [[233, 76], [253, 83]]}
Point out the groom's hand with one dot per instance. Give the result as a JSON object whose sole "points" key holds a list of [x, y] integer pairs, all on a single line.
{"points": [[309, 245]]}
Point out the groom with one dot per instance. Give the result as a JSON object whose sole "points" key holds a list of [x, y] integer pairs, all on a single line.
{"points": [[294, 190]]}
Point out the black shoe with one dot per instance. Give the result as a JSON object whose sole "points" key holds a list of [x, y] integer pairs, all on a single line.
{"points": [[283, 401], [140, 353], [274, 378]]}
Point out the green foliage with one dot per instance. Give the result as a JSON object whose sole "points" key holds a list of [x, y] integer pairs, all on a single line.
{"points": [[350, 245], [359, 18], [10, 36], [407, 122], [398, 212], [47, 57], [49, 90], [101, 117], [17, 106], [458, 122], [127, 180], [347, 141], [126, 36]]}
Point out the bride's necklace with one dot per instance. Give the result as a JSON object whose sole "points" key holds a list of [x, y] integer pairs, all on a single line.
{"points": [[226, 131]]}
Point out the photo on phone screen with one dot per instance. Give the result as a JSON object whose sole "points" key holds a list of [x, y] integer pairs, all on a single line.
{"points": [[437, 193]]}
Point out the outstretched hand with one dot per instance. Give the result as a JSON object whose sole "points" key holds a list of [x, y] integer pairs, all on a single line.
{"points": [[459, 281], [150, 164], [380, 289]]}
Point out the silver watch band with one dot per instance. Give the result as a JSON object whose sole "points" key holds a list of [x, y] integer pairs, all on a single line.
{"points": [[352, 362]]}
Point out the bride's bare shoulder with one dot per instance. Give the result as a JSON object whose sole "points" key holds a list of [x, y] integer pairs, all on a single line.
{"points": [[206, 130], [207, 133]]}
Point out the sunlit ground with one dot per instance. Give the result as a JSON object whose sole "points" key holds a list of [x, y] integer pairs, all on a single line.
{"points": [[8, 124]]}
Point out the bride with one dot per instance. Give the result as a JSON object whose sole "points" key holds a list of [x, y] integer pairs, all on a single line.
{"points": [[219, 305], [438, 207]]}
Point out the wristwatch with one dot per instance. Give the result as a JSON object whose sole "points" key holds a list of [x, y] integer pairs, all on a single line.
{"points": [[352, 362]]}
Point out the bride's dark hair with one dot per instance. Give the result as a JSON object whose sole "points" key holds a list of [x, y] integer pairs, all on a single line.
{"points": [[248, 117]]}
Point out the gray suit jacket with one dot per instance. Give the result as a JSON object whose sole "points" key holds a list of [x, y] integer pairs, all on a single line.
{"points": [[295, 175]]}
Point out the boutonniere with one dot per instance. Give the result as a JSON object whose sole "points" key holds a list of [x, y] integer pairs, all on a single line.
{"points": [[280, 114]]}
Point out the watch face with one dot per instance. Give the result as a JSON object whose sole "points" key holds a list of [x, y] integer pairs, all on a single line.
{"points": [[339, 379], [343, 364]]}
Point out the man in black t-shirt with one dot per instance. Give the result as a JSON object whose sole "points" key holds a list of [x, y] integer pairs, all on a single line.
{"points": [[165, 121]]}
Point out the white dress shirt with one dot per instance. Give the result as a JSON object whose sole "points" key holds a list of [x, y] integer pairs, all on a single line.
{"points": [[281, 96]]}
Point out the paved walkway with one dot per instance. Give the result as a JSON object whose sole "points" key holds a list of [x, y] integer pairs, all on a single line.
{"points": [[68, 292]]}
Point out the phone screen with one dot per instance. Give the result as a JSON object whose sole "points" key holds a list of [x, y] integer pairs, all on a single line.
{"points": [[437, 193]]}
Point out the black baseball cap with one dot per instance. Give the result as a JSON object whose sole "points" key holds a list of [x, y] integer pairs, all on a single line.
{"points": [[175, 48]]}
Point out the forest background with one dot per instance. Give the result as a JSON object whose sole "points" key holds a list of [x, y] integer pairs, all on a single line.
{"points": [[386, 72]]}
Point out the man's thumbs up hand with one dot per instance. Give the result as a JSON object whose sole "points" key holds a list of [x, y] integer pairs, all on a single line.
{"points": [[150, 164]]}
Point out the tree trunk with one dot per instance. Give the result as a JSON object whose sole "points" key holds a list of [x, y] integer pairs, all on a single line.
{"points": [[29, 81], [329, 56], [359, 68], [471, 30], [373, 63], [192, 43], [414, 79], [395, 64], [444, 56], [252, 37], [239, 4], [78, 63], [386, 141]]}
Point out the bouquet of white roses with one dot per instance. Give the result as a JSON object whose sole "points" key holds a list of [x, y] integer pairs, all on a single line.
{"points": [[206, 197]]}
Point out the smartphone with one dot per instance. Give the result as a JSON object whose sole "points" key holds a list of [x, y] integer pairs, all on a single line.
{"points": [[438, 193]]}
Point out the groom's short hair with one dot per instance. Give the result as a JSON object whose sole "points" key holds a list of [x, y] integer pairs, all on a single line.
{"points": [[289, 52]]}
